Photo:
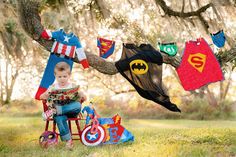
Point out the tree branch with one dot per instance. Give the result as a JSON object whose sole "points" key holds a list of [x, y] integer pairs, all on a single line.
{"points": [[31, 22], [228, 56], [168, 11], [204, 23], [191, 6], [198, 3], [102, 8], [171, 12], [183, 6]]}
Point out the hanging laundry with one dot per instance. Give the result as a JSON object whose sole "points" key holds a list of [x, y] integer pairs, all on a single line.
{"points": [[168, 48], [199, 65], [66, 45], [106, 47], [141, 66], [218, 39]]}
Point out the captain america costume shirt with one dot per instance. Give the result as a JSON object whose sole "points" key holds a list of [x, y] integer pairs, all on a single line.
{"points": [[66, 45]]}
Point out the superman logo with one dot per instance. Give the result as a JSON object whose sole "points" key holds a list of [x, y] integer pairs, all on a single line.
{"points": [[105, 46], [197, 61]]}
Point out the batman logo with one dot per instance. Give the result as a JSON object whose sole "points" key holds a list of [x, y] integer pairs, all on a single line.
{"points": [[138, 66]]}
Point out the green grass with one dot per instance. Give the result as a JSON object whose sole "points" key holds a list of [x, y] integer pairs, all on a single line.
{"points": [[172, 138]]}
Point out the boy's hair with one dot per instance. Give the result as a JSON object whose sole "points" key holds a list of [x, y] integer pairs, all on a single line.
{"points": [[62, 66]]}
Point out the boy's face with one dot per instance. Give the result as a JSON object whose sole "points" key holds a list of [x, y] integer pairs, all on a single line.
{"points": [[62, 77]]}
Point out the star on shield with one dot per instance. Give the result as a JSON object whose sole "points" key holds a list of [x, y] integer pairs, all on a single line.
{"points": [[92, 136]]}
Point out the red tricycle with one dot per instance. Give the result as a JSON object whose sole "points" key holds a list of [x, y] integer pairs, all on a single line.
{"points": [[90, 135]]}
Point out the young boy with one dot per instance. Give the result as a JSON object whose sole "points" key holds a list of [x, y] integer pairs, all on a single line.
{"points": [[62, 112]]}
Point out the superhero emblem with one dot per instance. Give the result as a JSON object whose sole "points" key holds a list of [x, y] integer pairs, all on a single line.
{"points": [[168, 48], [138, 66], [106, 47], [197, 61], [116, 119], [89, 139]]}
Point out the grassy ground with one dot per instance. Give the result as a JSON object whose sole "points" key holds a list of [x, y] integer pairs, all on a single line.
{"points": [[172, 138]]}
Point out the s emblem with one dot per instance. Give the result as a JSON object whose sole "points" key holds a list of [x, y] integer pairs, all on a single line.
{"points": [[197, 61]]}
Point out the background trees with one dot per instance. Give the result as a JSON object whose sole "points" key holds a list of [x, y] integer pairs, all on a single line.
{"points": [[131, 21]]}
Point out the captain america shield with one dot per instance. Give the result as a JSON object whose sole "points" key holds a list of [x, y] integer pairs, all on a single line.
{"points": [[89, 139]]}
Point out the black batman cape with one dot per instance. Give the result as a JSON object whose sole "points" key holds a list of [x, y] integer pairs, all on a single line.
{"points": [[149, 84]]}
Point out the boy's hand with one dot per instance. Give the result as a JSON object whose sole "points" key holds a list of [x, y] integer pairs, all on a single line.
{"points": [[45, 95], [82, 97], [49, 104]]}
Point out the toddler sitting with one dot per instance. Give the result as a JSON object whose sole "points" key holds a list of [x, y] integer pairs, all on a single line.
{"points": [[64, 101]]}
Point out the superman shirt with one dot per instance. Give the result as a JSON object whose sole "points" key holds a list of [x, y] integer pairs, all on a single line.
{"points": [[198, 66], [106, 47], [66, 45]]}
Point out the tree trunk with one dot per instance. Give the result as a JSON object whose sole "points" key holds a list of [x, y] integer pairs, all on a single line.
{"points": [[225, 92], [221, 90], [6, 78], [103, 8], [211, 98], [1, 86], [10, 89]]}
